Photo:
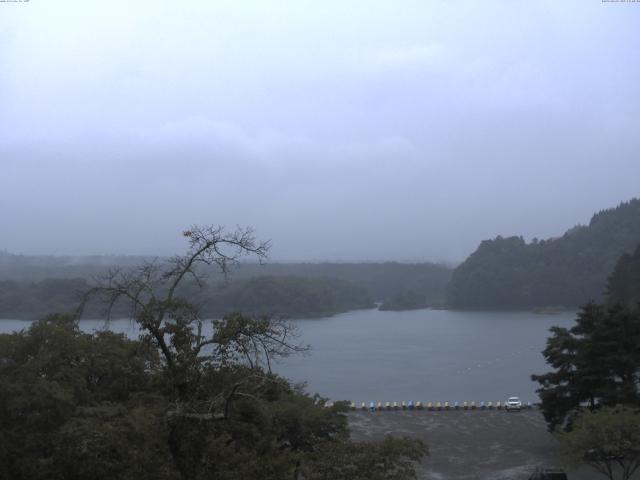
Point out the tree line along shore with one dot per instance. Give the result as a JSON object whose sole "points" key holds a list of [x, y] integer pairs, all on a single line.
{"points": [[504, 273], [178, 404]]}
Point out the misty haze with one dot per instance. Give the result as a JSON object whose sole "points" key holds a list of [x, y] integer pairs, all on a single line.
{"points": [[319, 240]]}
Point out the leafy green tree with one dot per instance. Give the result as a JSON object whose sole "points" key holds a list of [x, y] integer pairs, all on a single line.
{"points": [[607, 439], [60, 387], [174, 404], [596, 362]]}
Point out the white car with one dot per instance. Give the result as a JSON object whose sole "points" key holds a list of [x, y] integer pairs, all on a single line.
{"points": [[513, 403]]}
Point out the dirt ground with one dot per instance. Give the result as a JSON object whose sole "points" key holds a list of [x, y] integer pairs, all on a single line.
{"points": [[472, 445]]}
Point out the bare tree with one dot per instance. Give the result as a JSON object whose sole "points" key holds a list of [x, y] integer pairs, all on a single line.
{"points": [[151, 290], [173, 324], [203, 374]]}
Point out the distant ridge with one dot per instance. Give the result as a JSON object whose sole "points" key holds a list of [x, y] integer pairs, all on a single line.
{"points": [[31, 287], [567, 271]]}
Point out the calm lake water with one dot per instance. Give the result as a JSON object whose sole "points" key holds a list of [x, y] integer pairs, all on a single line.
{"points": [[426, 355]]}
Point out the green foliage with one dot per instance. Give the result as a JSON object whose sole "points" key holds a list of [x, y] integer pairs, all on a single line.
{"points": [[567, 271], [286, 296], [32, 300], [607, 439], [624, 282], [596, 362], [408, 300], [382, 281], [61, 389], [32, 286], [77, 405], [173, 404]]}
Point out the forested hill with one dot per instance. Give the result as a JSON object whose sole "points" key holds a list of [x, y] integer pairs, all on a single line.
{"points": [[566, 271], [279, 296], [35, 268], [31, 284], [285, 296], [383, 281], [624, 283], [31, 287]]}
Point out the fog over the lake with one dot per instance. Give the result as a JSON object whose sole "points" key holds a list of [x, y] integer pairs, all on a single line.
{"points": [[406, 130]]}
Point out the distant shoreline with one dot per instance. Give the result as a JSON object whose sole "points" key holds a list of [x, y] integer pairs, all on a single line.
{"points": [[537, 310]]}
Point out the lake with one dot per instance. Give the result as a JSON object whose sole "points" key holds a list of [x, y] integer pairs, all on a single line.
{"points": [[426, 355]]}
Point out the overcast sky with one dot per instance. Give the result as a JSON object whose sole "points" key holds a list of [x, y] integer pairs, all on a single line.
{"points": [[340, 130]]}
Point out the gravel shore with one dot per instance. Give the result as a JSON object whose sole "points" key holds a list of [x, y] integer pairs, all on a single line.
{"points": [[472, 445]]}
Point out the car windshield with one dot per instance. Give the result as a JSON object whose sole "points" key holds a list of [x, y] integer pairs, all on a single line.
{"points": [[514, 399]]}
